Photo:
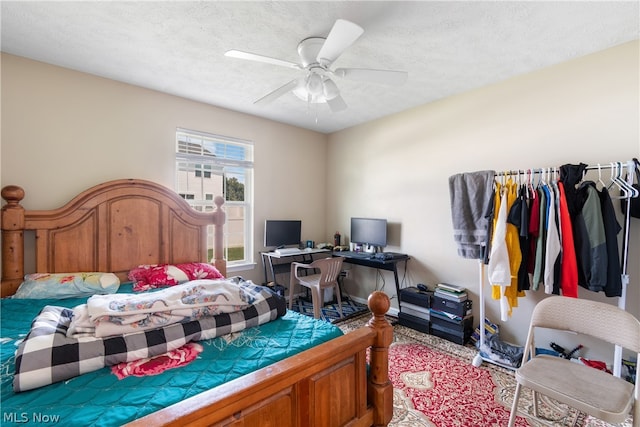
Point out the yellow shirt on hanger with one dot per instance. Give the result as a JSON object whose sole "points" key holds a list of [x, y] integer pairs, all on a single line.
{"points": [[512, 241]]}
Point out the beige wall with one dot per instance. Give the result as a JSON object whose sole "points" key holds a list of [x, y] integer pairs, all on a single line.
{"points": [[64, 131], [72, 130], [586, 110]]}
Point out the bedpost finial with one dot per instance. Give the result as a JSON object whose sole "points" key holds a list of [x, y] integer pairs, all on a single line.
{"points": [[378, 303], [12, 194], [218, 201]]}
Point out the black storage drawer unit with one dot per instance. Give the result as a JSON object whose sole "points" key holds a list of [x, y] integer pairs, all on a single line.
{"points": [[458, 332], [460, 309], [414, 296], [415, 310], [413, 322]]}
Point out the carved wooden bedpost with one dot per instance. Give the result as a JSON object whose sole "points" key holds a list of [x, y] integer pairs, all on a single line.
{"points": [[220, 218], [12, 239], [380, 390]]}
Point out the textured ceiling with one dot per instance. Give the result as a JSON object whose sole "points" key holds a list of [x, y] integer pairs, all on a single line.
{"points": [[447, 47]]}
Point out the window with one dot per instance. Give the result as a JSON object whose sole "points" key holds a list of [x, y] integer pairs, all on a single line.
{"points": [[208, 165]]}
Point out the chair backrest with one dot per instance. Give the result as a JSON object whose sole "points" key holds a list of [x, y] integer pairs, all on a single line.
{"points": [[604, 321], [329, 268]]}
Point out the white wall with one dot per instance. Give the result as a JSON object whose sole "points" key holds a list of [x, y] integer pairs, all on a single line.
{"points": [[586, 110], [64, 131]]}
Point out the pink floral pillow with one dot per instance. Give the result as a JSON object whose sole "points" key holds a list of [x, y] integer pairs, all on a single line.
{"points": [[158, 275]]}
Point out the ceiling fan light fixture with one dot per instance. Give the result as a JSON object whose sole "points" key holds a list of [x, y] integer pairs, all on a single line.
{"points": [[330, 89], [310, 90], [314, 84]]}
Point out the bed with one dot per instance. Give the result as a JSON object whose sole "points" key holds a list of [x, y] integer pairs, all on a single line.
{"points": [[118, 225]]}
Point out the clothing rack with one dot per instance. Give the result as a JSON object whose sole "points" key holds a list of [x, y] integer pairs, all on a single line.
{"points": [[616, 169]]}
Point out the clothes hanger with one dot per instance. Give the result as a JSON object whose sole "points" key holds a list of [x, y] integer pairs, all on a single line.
{"points": [[526, 178], [538, 172], [630, 190], [615, 179], [631, 167], [600, 177]]}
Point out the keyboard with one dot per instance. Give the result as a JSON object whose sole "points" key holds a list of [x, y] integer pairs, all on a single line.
{"points": [[377, 256], [395, 255], [287, 251], [351, 254]]}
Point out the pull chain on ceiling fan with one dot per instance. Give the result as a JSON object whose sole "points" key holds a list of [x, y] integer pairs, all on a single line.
{"points": [[317, 54]]}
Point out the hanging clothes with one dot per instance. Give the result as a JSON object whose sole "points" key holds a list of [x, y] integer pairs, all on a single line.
{"points": [[498, 268], [471, 196], [552, 241], [590, 239], [538, 271], [513, 247], [569, 267], [613, 288], [558, 262], [506, 270], [519, 217], [534, 230], [570, 176]]}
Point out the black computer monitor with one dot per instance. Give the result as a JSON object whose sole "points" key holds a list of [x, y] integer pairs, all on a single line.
{"points": [[281, 233], [369, 231]]}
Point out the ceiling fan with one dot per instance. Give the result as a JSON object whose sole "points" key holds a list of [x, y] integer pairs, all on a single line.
{"points": [[317, 54]]}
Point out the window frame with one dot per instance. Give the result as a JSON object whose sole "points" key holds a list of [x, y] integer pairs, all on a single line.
{"points": [[226, 167]]}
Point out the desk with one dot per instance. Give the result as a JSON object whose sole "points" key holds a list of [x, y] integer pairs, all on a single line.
{"points": [[274, 268], [357, 258]]}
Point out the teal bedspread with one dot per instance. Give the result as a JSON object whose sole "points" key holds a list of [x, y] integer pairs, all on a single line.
{"points": [[100, 399]]}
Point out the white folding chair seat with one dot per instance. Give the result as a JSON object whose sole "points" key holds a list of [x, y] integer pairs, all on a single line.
{"points": [[592, 391]]}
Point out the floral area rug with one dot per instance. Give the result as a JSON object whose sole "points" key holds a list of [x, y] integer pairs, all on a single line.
{"points": [[435, 385]]}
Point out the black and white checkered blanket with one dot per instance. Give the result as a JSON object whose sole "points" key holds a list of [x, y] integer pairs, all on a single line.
{"points": [[47, 355]]}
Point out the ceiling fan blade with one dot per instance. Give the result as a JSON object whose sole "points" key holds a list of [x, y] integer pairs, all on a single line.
{"points": [[277, 93], [337, 104], [261, 58], [387, 77], [342, 35]]}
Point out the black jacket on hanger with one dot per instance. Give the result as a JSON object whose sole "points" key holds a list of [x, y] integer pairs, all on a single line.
{"points": [[611, 230], [571, 175]]}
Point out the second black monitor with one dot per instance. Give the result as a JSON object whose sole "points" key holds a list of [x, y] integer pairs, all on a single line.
{"points": [[369, 231]]}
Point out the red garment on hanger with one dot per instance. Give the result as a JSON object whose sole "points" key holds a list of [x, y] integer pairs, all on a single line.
{"points": [[569, 264]]}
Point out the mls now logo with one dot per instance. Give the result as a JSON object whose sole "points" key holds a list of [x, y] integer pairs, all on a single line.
{"points": [[25, 417]]}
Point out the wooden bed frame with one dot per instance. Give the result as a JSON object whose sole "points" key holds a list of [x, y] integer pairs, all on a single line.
{"points": [[121, 224]]}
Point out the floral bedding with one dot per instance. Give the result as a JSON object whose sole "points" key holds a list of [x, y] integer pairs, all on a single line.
{"points": [[152, 276], [99, 398], [48, 355]]}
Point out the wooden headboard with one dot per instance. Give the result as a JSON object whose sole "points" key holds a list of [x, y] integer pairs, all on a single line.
{"points": [[111, 227]]}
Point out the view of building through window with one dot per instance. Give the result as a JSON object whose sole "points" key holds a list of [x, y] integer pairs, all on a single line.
{"points": [[210, 165]]}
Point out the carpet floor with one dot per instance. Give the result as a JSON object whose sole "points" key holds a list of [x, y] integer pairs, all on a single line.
{"points": [[435, 385]]}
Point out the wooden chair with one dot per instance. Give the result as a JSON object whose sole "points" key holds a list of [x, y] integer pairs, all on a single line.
{"points": [[330, 269], [587, 389]]}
